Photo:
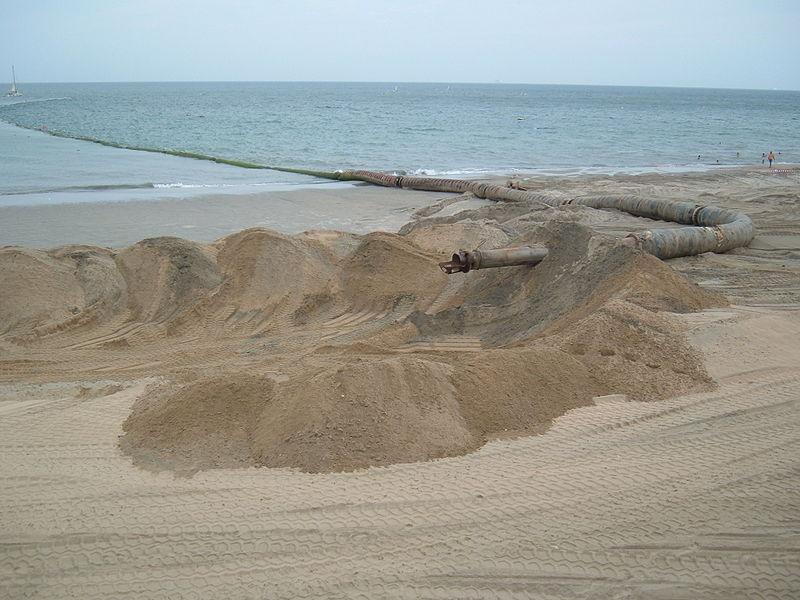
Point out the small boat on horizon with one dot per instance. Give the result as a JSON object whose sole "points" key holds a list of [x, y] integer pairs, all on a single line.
{"points": [[13, 91]]}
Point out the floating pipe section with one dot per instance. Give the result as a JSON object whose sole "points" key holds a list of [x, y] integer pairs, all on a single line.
{"points": [[464, 262], [714, 229]]}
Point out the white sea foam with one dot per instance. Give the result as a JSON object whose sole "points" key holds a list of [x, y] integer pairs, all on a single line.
{"points": [[34, 100], [258, 184], [465, 172], [473, 173]]}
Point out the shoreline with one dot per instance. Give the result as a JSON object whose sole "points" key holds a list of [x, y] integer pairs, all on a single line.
{"points": [[354, 208], [131, 173]]}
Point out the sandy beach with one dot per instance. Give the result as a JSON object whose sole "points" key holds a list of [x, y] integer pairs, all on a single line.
{"points": [[358, 209], [256, 414]]}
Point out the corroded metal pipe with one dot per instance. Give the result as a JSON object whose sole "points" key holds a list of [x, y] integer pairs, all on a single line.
{"points": [[713, 229], [464, 262]]}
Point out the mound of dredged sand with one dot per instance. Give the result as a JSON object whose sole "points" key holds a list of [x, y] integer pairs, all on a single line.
{"points": [[329, 352], [164, 275], [43, 291], [48, 289], [376, 411], [581, 324]]}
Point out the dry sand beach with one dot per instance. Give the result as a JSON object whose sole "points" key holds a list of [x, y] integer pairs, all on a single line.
{"points": [[326, 414]]}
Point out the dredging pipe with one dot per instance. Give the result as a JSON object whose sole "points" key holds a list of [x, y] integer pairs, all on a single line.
{"points": [[712, 229], [715, 229], [464, 262]]}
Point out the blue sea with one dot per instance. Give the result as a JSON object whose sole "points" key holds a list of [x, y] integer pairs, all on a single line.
{"points": [[421, 128]]}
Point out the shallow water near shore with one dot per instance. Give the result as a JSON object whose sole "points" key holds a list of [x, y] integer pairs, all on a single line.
{"points": [[454, 129]]}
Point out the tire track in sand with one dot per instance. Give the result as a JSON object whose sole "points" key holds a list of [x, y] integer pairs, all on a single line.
{"points": [[609, 496]]}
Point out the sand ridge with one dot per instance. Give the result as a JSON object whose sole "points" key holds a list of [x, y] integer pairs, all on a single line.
{"points": [[330, 352]]}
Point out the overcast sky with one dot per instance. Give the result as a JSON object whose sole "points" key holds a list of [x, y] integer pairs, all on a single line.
{"points": [[708, 43]]}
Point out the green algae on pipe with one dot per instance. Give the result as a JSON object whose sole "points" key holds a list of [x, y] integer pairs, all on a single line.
{"points": [[334, 175]]}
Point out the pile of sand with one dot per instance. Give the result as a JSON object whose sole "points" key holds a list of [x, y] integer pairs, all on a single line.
{"points": [[444, 239], [44, 291], [328, 351], [368, 412], [205, 424], [586, 322], [47, 292], [255, 275], [164, 276], [365, 413]]}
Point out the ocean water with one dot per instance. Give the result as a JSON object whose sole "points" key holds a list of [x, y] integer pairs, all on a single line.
{"points": [[454, 129]]}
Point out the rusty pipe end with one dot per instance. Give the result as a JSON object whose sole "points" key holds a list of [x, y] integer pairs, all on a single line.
{"points": [[459, 263], [631, 240]]}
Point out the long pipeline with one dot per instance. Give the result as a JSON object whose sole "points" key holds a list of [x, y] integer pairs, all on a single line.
{"points": [[712, 229], [715, 229]]}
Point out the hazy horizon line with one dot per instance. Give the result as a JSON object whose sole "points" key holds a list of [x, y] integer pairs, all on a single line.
{"points": [[395, 82]]}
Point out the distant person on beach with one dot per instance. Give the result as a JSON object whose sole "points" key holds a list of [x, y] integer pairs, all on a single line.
{"points": [[770, 158], [763, 158]]}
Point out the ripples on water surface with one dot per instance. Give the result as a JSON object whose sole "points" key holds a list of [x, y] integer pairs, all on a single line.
{"points": [[458, 129]]}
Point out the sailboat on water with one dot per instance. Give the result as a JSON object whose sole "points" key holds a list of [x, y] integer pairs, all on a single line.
{"points": [[13, 91]]}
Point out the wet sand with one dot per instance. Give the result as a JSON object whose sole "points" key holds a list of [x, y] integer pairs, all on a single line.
{"points": [[693, 496], [356, 209]]}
